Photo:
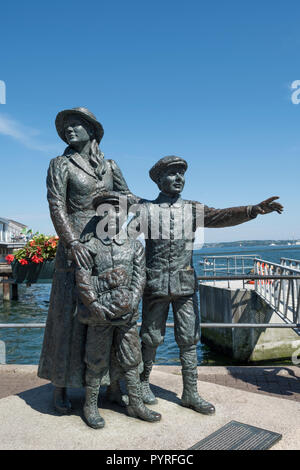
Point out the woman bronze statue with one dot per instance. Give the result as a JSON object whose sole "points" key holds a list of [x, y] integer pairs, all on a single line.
{"points": [[73, 181]]}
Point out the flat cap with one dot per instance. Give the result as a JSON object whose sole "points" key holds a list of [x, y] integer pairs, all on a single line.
{"points": [[108, 197], [163, 163]]}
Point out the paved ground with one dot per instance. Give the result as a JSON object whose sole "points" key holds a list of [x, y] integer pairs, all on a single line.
{"points": [[283, 382], [17, 379], [233, 285], [29, 422]]}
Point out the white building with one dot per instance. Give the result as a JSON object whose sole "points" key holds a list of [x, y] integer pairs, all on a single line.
{"points": [[11, 236]]}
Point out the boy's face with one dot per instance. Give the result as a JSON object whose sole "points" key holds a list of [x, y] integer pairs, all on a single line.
{"points": [[172, 181], [115, 219]]}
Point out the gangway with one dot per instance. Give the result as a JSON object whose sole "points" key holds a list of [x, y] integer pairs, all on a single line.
{"points": [[282, 294]]}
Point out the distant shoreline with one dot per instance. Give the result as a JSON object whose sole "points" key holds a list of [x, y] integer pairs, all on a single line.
{"points": [[249, 243]]}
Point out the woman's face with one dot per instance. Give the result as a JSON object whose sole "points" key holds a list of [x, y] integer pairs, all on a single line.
{"points": [[77, 132]]}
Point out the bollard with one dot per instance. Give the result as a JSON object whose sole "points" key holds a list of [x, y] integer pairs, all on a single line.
{"points": [[6, 288], [14, 291]]}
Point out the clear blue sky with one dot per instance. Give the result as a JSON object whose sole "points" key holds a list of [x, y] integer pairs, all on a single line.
{"points": [[209, 81]]}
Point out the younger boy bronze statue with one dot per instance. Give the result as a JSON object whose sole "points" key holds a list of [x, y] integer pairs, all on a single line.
{"points": [[109, 295]]}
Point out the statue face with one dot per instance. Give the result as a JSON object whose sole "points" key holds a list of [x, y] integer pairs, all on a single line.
{"points": [[115, 219], [172, 181], [77, 132]]}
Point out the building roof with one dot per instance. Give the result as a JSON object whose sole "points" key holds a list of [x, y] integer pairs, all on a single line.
{"points": [[18, 223], [7, 221]]}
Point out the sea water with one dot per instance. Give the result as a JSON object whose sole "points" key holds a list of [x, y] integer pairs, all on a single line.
{"points": [[23, 345]]}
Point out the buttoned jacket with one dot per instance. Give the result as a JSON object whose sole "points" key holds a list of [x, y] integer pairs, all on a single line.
{"points": [[72, 185], [120, 252], [170, 226]]}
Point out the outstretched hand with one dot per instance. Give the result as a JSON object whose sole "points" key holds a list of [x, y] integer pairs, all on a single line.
{"points": [[267, 206]]}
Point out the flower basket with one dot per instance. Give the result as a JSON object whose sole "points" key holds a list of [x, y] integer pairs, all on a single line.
{"points": [[33, 273], [34, 263]]}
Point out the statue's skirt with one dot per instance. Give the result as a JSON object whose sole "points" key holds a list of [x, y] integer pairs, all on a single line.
{"points": [[62, 354]]}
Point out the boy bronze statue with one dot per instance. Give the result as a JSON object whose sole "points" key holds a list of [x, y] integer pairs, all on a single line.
{"points": [[109, 295]]}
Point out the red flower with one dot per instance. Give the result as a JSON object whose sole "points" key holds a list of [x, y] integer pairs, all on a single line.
{"points": [[35, 259], [23, 261], [9, 258], [32, 243]]}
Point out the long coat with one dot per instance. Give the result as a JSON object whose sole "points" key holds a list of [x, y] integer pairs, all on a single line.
{"points": [[72, 184]]}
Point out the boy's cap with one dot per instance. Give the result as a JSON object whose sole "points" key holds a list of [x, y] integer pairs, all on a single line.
{"points": [[111, 197], [165, 162]]}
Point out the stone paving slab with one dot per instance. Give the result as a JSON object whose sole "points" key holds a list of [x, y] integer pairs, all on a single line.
{"points": [[233, 284], [274, 381], [16, 379], [29, 422]]}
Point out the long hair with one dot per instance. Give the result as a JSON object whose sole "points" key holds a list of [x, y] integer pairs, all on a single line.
{"points": [[97, 159]]}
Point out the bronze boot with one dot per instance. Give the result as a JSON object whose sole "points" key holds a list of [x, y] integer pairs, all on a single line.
{"points": [[190, 397], [90, 408], [148, 355], [114, 394], [61, 401], [136, 407]]}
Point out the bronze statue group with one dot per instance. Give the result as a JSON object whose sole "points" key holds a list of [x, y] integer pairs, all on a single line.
{"points": [[91, 337]]}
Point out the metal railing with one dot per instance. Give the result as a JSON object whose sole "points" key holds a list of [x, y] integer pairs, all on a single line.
{"points": [[226, 265], [282, 294], [262, 279], [171, 325], [291, 263], [277, 284]]}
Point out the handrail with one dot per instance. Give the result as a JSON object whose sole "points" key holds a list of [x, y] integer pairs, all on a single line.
{"points": [[230, 256], [282, 294], [276, 284], [247, 277], [277, 265], [289, 262], [171, 325], [290, 259], [295, 324], [226, 263]]}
